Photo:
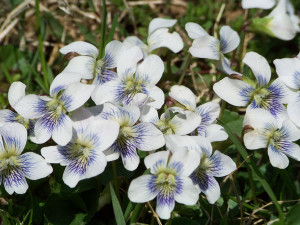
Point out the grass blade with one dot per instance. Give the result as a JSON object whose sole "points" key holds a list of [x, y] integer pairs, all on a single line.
{"points": [[117, 208], [103, 30], [258, 175], [6, 73], [113, 28]]}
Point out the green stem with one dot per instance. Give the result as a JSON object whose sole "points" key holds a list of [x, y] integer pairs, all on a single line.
{"points": [[252, 186], [103, 30], [128, 210], [135, 213], [223, 106], [40, 40], [185, 69], [116, 182]]}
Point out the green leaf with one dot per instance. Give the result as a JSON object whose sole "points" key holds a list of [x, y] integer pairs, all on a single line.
{"points": [[116, 206], [293, 216], [257, 174]]}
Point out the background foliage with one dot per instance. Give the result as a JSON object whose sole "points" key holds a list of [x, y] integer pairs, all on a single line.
{"points": [[31, 34]]}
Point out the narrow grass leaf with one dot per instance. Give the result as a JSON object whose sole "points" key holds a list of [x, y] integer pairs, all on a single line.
{"points": [[117, 208], [6, 74], [112, 29], [254, 169]]}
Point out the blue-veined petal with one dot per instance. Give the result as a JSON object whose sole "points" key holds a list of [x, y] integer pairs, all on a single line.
{"points": [[103, 76], [31, 107], [132, 41], [289, 131], [259, 66], [15, 93], [213, 132], [260, 119], [127, 63], [208, 112], [75, 95], [189, 159], [292, 151], [140, 189], [148, 137], [113, 91], [34, 166], [14, 180], [186, 123], [14, 136], [62, 132], [254, 140], [277, 158], [164, 206], [62, 80], [80, 47], [52, 155], [112, 52], [288, 70], [235, 92], [163, 38], [189, 194], [230, 39], [207, 47], [149, 114], [223, 64], [156, 160], [96, 167], [221, 164], [184, 96], [8, 116], [177, 143]]}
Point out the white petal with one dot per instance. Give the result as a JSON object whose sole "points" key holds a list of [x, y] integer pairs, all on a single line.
{"points": [[104, 131], [16, 92], [209, 112], [108, 92], [131, 162], [139, 190], [261, 4], [75, 95], [14, 136], [62, 80], [151, 69], [257, 118], [290, 131], [206, 47], [185, 123], [215, 132], [259, 66], [96, 167], [51, 154], [230, 39], [34, 166], [184, 96], [43, 129], [222, 164], [158, 23], [195, 31], [293, 109], [204, 144], [111, 155], [128, 61], [81, 47], [112, 52], [293, 151], [152, 160], [164, 209], [156, 97], [212, 192], [7, 116], [177, 142], [189, 159], [62, 132], [15, 181], [149, 114], [288, 70], [277, 158], [189, 194], [132, 41], [31, 107], [235, 92], [254, 140], [70, 177], [148, 137], [162, 38], [224, 65], [82, 118], [83, 65]]}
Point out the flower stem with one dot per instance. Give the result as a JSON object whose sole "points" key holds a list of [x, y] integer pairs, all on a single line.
{"points": [[185, 69], [116, 183], [135, 213], [103, 30]]}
